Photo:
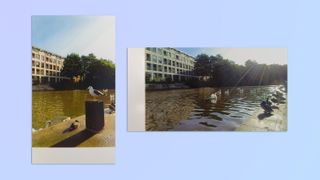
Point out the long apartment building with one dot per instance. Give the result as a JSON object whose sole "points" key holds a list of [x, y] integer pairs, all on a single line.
{"points": [[168, 63], [46, 66]]}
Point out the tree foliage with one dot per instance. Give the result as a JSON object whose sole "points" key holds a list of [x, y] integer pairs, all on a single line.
{"points": [[99, 73], [224, 72]]}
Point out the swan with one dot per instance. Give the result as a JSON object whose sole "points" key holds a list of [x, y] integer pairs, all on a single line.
{"points": [[214, 96]]}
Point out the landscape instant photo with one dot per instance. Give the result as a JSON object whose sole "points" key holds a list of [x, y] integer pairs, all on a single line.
{"points": [[208, 89], [73, 89]]}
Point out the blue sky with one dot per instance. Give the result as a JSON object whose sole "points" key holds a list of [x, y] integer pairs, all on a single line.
{"points": [[79, 34], [240, 55]]}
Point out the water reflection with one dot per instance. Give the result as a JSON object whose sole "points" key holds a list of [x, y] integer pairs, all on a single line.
{"points": [[58, 105], [166, 110]]}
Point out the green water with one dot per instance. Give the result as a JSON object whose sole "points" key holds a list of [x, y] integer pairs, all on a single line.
{"points": [[58, 105]]}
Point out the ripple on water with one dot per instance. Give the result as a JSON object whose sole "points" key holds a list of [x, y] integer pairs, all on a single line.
{"points": [[193, 105]]}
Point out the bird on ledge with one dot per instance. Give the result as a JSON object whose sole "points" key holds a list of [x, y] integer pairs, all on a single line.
{"points": [[94, 92]]}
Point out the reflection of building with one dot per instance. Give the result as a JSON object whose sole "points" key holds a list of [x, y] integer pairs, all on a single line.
{"points": [[46, 66], [168, 64]]}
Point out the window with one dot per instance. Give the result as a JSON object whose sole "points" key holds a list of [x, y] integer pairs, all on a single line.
{"points": [[177, 57], [148, 76], [33, 55], [153, 58], [154, 67], [165, 68], [148, 66], [148, 57], [159, 68], [159, 51], [165, 61], [42, 65], [33, 70], [165, 53], [160, 60]]}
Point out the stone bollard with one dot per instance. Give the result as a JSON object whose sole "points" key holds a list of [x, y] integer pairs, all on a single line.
{"points": [[94, 115]]}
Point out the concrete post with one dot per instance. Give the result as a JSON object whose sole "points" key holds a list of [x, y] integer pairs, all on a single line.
{"points": [[94, 115]]}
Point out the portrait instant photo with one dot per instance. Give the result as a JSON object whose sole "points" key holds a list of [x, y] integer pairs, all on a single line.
{"points": [[207, 89], [73, 89]]}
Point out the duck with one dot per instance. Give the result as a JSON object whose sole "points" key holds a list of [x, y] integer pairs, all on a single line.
{"points": [[266, 107], [74, 125]]}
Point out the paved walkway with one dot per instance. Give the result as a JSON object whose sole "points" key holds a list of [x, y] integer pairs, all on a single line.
{"points": [[54, 136]]}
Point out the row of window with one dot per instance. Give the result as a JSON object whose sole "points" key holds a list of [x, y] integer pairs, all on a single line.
{"points": [[168, 53], [45, 58], [166, 69], [43, 72], [165, 61], [45, 65], [178, 65]]}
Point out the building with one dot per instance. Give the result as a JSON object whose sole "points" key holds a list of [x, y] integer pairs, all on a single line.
{"points": [[168, 64], [46, 66]]}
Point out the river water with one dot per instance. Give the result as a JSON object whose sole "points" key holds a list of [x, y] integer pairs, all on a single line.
{"points": [[59, 105], [190, 109]]}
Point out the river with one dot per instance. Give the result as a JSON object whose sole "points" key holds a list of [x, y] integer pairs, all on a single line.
{"points": [[59, 105], [189, 109]]}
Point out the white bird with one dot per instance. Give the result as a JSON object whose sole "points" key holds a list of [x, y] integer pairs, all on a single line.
{"points": [[240, 90], [227, 92], [94, 92], [105, 91], [213, 96]]}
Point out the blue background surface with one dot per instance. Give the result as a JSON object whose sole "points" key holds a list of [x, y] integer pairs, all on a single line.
{"points": [[188, 155]]}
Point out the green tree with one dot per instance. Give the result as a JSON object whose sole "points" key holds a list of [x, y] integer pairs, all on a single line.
{"points": [[100, 74], [72, 66], [202, 65]]}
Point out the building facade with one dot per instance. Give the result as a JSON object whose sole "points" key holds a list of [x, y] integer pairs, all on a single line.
{"points": [[46, 66], [163, 64]]}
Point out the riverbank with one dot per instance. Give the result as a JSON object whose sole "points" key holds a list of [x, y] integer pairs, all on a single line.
{"points": [[166, 86], [42, 87], [54, 136]]}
